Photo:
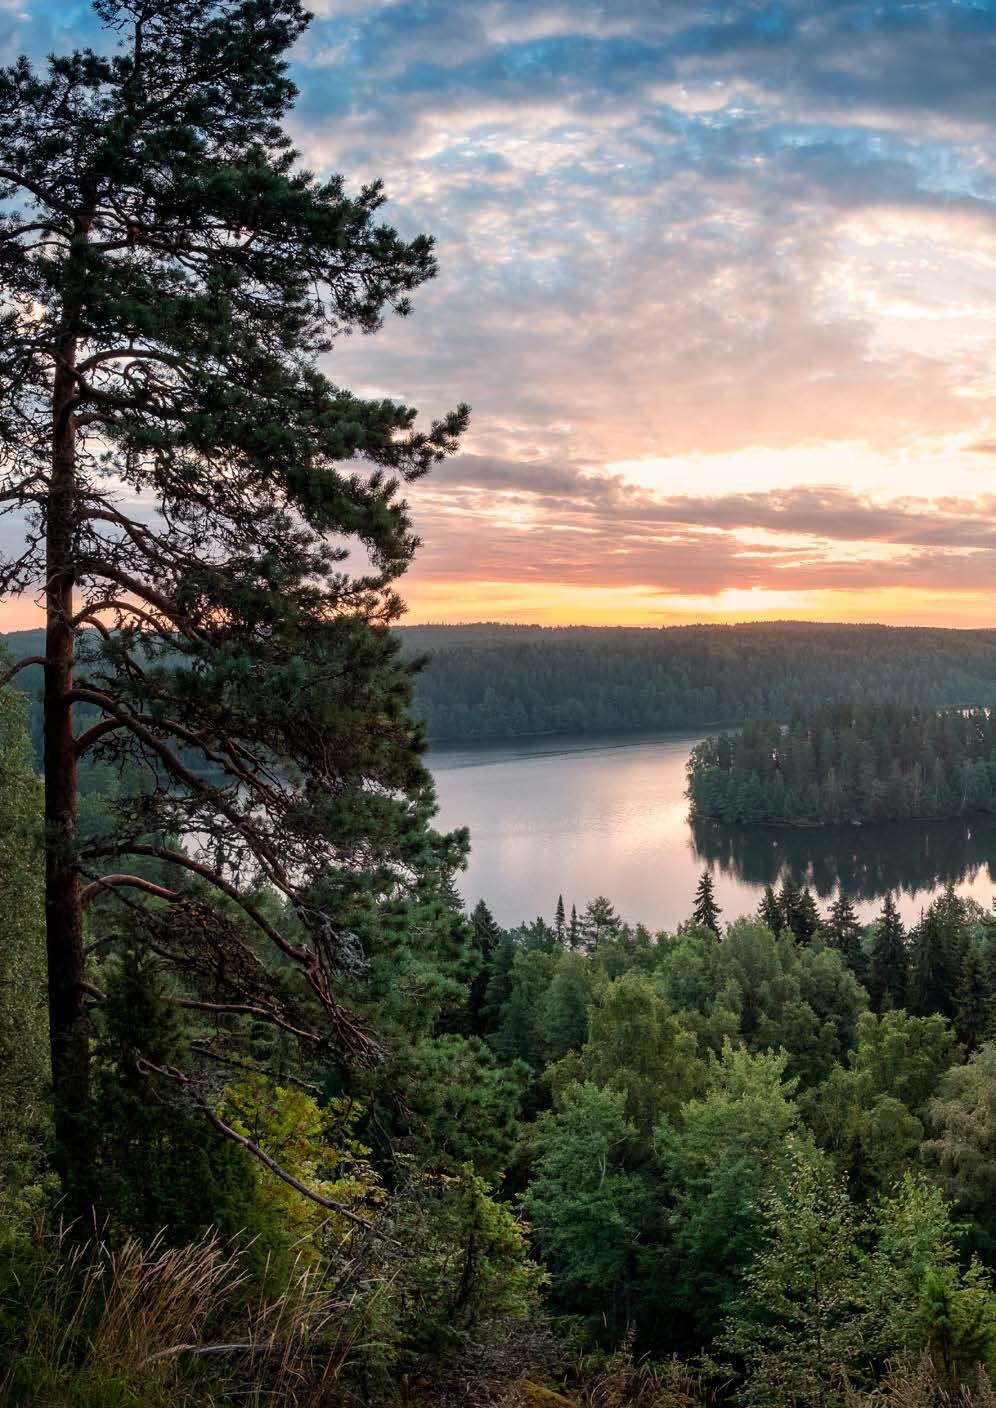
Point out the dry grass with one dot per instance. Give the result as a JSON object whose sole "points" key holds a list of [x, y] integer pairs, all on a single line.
{"points": [[97, 1326], [917, 1384]]}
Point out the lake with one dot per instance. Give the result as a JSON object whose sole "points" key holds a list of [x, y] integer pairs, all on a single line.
{"points": [[608, 815]]}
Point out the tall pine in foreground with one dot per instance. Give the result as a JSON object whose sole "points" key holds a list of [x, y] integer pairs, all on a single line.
{"points": [[214, 526]]}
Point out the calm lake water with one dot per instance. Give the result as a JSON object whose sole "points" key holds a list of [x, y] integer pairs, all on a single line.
{"points": [[590, 816]]}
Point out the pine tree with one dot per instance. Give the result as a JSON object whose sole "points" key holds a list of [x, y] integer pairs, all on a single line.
{"points": [[788, 903], [169, 277], [574, 929], [888, 977], [598, 921], [844, 934], [974, 1005], [560, 920], [706, 912], [807, 922], [769, 910], [938, 946], [485, 941]]}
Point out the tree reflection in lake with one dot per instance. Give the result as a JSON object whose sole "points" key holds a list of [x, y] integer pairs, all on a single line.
{"points": [[914, 857]]}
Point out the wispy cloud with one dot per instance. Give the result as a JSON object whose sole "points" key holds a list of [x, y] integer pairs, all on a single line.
{"points": [[719, 280]]}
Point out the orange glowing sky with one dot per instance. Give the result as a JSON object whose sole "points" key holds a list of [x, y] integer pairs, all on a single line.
{"points": [[718, 280]]}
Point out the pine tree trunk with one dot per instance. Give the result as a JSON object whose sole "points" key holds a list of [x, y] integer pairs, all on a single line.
{"points": [[63, 911]]}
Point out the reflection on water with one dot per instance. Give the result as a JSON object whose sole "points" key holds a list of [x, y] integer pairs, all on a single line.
{"points": [[591, 816], [916, 858]]}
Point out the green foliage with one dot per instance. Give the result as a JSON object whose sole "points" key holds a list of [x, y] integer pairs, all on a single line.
{"points": [[588, 1202], [847, 762], [637, 1047], [961, 1147], [769, 991], [903, 1056], [466, 1262], [834, 1297], [718, 1158], [155, 1168], [805, 1315], [461, 1105], [23, 1015]]}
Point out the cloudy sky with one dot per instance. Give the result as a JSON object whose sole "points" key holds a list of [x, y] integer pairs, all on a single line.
{"points": [[718, 280]]}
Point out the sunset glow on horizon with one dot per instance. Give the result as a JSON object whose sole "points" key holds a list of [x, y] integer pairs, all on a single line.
{"points": [[717, 279]]}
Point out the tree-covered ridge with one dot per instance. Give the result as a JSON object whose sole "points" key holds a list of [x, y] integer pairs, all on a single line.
{"points": [[488, 681], [849, 762], [492, 681]]}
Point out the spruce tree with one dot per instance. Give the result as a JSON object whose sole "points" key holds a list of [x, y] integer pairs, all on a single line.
{"points": [[788, 902], [844, 934], [938, 946], [154, 1167], [215, 528], [807, 922], [560, 920], [888, 977], [769, 910], [974, 1004], [706, 912], [486, 940], [574, 929]]}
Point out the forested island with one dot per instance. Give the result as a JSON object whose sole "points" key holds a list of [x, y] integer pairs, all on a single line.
{"points": [[849, 763]]}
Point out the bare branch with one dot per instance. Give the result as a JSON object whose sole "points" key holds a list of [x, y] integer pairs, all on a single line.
{"points": [[178, 1077], [115, 882], [37, 190], [137, 848], [8, 675]]}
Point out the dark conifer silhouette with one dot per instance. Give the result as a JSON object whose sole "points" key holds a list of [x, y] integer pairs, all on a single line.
{"points": [[706, 912], [888, 977], [844, 934]]}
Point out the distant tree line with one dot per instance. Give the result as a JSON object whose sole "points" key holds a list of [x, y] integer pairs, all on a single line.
{"points": [[489, 681], [846, 762]]}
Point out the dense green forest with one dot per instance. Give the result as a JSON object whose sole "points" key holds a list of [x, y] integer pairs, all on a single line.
{"points": [[490, 681], [740, 1163], [849, 763]]}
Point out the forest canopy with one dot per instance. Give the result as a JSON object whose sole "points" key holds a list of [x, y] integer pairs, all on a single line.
{"points": [[849, 763], [490, 681]]}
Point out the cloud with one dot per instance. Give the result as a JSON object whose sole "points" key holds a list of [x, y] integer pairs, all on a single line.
{"points": [[697, 238]]}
